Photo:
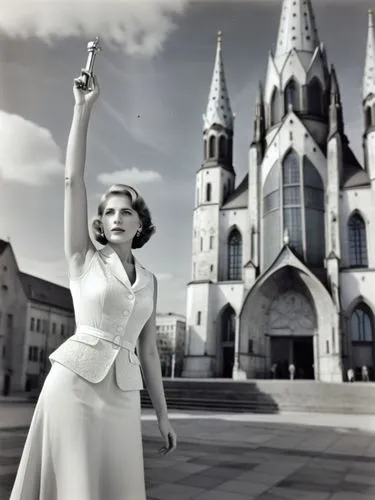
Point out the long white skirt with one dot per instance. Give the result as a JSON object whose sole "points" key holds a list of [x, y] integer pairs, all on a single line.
{"points": [[84, 442]]}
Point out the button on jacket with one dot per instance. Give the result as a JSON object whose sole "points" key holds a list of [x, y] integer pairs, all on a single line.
{"points": [[107, 305]]}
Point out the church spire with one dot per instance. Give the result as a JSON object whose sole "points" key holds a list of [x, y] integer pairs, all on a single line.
{"points": [[369, 74], [336, 121], [219, 111], [259, 122], [297, 29]]}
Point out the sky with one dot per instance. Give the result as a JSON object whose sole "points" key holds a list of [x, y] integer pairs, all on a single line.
{"points": [[154, 73]]}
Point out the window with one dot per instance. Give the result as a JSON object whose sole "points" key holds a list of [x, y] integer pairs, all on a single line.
{"points": [[208, 191], [274, 107], [62, 330], [357, 241], [199, 317], [292, 200], [32, 324], [211, 242], [368, 116], [38, 325], [205, 149], [235, 255], [53, 327], [228, 325], [291, 96], [211, 145], [315, 98], [222, 147], [361, 324]]}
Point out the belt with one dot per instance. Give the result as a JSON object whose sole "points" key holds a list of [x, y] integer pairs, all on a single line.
{"points": [[117, 340]]}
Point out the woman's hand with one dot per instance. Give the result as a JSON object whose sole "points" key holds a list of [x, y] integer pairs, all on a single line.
{"points": [[169, 436], [86, 98]]}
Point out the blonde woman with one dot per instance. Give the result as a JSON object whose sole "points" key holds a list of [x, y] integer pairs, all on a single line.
{"points": [[85, 442]]}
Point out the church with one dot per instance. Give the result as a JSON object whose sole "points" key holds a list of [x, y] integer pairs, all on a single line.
{"points": [[283, 263]]}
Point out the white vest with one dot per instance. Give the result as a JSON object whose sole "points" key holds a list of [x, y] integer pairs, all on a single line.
{"points": [[108, 307]]}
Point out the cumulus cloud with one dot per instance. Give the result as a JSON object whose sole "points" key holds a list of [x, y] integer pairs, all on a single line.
{"points": [[28, 152], [129, 176], [135, 26]]}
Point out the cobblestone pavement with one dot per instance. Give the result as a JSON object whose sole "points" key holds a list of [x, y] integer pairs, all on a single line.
{"points": [[244, 457]]}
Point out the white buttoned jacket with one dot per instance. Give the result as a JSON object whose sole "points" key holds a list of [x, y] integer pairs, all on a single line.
{"points": [[109, 311]]}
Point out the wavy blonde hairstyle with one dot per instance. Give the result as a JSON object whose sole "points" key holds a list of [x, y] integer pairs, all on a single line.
{"points": [[137, 203]]}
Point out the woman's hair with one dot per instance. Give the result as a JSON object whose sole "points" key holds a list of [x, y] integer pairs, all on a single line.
{"points": [[138, 204]]}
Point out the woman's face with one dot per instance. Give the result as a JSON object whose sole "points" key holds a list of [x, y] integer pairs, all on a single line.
{"points": [[120, 221]]}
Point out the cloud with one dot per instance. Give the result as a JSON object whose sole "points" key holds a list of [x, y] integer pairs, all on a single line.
{"points": [[28, 153], [135, 26], [129, 176]]}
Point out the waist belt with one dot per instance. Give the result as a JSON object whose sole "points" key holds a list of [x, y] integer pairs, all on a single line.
{"points": [[117, 340]]}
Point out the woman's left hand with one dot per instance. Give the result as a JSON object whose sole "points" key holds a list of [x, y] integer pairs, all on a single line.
{"points": [[169, 436]]}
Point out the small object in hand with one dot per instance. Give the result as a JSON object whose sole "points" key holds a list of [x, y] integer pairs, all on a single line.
{"points": [[82, 82]]}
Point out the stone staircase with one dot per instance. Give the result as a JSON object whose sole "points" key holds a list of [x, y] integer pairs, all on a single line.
{"points": [[267, 396]]}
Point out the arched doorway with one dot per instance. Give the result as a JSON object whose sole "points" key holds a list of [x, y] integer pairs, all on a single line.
{"points": [[228, 335], [362, 340], [291, 327]]}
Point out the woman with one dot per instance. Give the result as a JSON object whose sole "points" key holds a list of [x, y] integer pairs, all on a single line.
{"points": [[84, 441]]}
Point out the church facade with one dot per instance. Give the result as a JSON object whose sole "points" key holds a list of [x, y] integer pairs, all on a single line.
{"points": [[283, 264]]}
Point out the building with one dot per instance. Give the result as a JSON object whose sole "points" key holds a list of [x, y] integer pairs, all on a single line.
{"points": [[36, 316], [283, 264], [170, 330]]}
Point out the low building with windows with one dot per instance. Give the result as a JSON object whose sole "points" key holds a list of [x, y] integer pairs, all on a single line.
{"points": [[170, 331], [283, 264], [36, 316]]}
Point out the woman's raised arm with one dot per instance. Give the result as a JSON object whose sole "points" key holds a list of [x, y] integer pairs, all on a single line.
{"points": [[77, 242]]}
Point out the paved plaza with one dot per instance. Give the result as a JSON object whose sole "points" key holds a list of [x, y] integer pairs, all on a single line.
{"points": [[238, 457]]}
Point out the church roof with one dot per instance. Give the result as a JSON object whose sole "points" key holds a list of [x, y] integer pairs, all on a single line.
{"points": [[297, 29], [219, 111], [239, 197], [353, 174], [3, 246], [369, 73]]}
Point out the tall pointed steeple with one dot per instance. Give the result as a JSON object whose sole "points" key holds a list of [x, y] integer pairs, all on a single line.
{"points": [[297, 28], [219, 111], [336, 121], [259, 122], [369, 74]]}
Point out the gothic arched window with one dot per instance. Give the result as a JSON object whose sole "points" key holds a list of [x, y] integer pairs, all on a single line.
{"points": [[292, 200], [208, 191], [357, 241], [211, 146], [274, 107], [235, 255], [315, 98], [291, 96], [222, 147], [361, 324], [228, 325], [368, 115]]}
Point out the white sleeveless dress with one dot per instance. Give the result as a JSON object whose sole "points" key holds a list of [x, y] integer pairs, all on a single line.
{"points": [[85, 441]]}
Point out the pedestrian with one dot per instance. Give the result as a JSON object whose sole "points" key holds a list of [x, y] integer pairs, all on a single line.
{"points": [[350, 374], [365, 376], [292, 371], [84, 441]]}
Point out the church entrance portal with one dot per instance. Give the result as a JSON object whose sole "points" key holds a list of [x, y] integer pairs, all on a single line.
{"points": [[296, 350], [228, 360], [291, 329]]}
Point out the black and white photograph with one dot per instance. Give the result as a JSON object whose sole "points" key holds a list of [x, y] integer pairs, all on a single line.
{"points": [[187, 250]]}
